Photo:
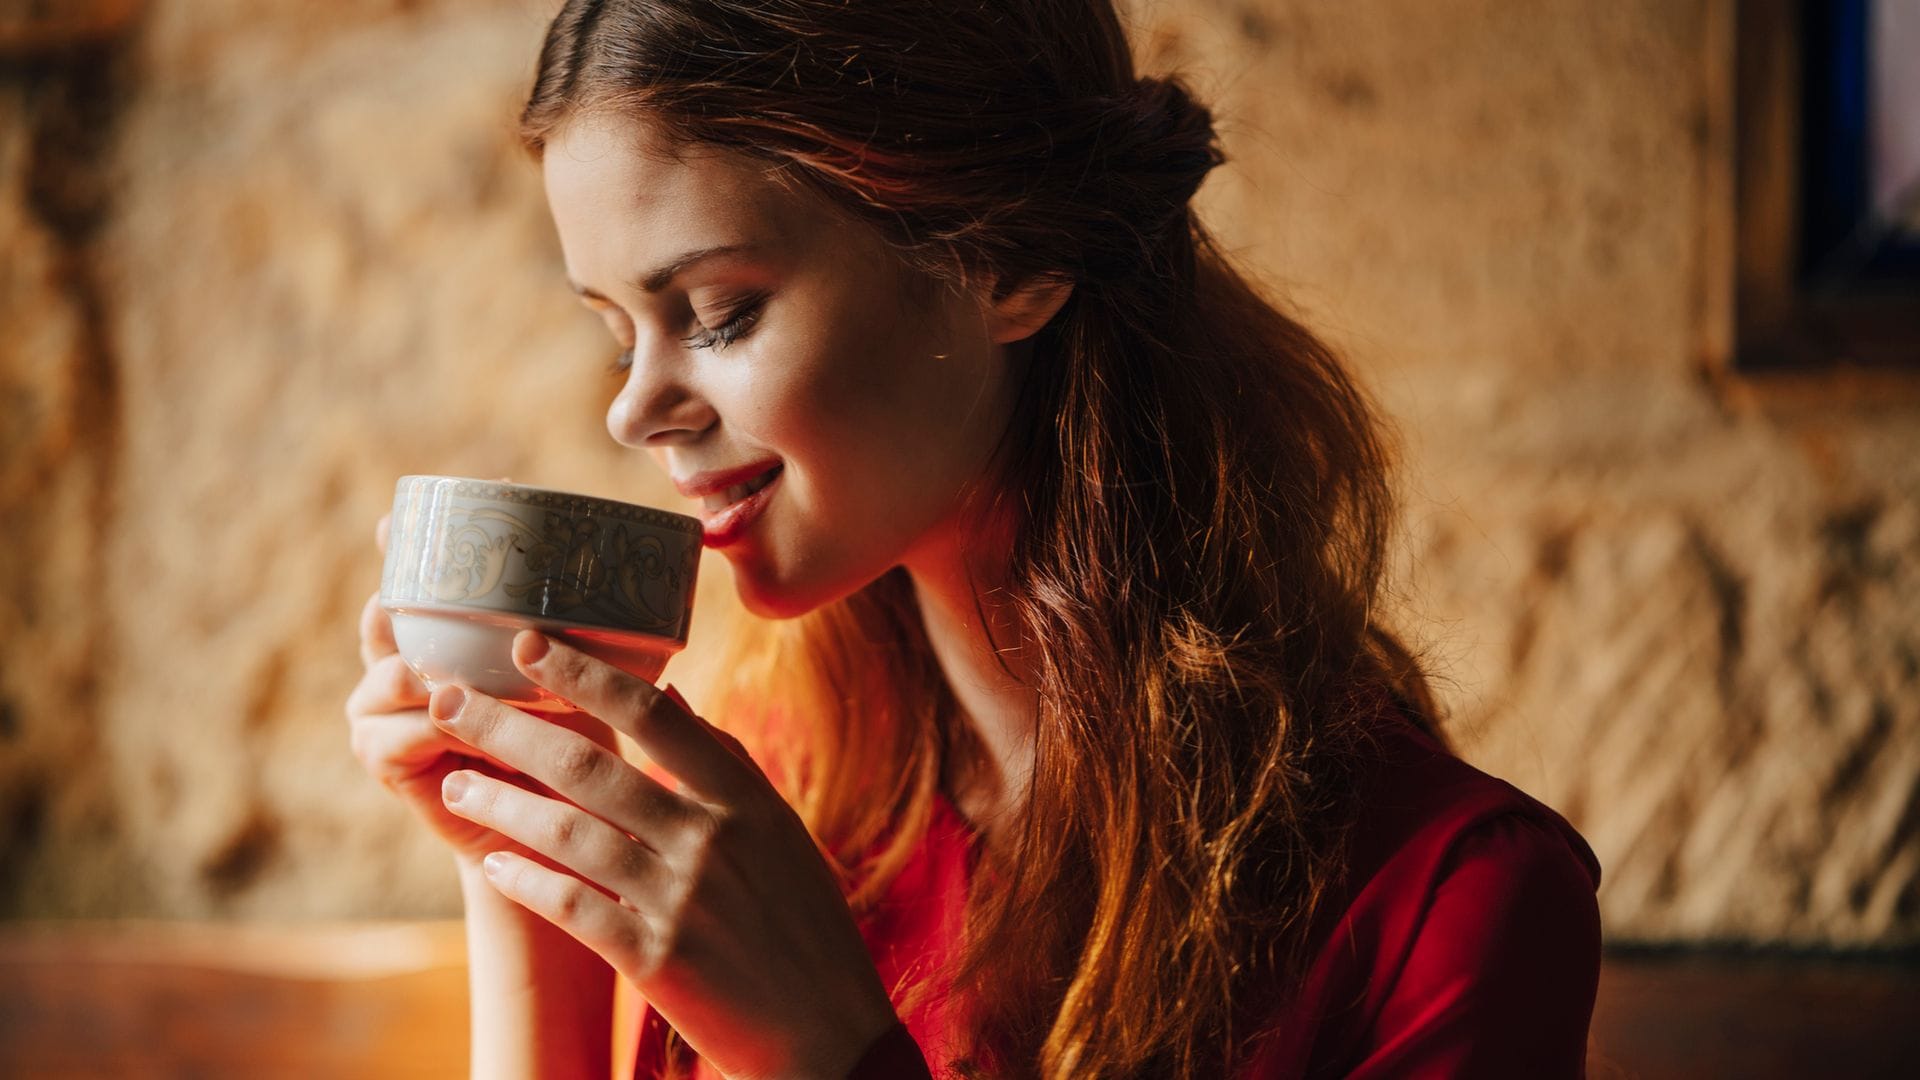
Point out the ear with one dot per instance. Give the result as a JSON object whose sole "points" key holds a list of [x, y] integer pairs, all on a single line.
{"points": [[1019, 313]]}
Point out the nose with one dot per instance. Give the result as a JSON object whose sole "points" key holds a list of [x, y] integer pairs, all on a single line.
{"points": [[658, 406]]}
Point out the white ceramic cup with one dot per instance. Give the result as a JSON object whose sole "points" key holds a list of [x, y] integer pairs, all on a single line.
{"points": [[470, 563]]}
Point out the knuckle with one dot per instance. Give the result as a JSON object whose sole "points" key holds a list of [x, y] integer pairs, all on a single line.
{"points": [[376, 633], [648, 957], [384, 688], [578, 762], [721, 826], [563, 832], [664, 945], [479, 722], [570, 903], [701, 835], [573, 667], [630, 944], [657, 803], [397, 675], [362, 703], [649, 706], [635, 863]]}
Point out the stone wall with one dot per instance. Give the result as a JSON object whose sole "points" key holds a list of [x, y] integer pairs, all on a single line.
{"points": [[260, 262]]}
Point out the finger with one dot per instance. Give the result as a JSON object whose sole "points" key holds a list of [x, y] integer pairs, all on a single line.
{"points": [[388, 721], [570, 837], [389, 685], [381, 530], [396, 746], [593, 919], [591, 776], [680, 743], [392, 697], [376, 632]]}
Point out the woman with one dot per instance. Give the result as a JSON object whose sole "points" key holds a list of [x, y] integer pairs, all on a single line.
{"points": [[1085, 751]]}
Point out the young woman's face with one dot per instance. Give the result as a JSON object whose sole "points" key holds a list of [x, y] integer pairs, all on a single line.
{"points": [[773, 342]]}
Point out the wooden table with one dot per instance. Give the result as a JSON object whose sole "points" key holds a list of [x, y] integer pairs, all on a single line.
{"points": [[379, 1000]]}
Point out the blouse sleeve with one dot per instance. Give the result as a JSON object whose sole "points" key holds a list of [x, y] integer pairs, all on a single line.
{"points": [[1501, 977], [893, 1056]]}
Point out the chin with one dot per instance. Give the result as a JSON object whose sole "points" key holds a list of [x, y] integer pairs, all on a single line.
{"points": [[770, 598], [774, 605]]}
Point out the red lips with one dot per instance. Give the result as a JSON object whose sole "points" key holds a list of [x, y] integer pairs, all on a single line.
{"points": [[725, 526], [702, 484]]}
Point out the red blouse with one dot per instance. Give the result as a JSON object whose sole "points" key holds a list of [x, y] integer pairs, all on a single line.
{"points": [[1469, 944]]}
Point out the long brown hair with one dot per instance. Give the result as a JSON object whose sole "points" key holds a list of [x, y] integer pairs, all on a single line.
{"points": [[1201, 495]]}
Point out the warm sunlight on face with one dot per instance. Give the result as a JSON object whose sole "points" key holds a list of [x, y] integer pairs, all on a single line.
{"points": [[780, 353]]}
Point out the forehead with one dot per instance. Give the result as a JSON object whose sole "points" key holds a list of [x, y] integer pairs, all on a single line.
{"points": [[620, 191]]}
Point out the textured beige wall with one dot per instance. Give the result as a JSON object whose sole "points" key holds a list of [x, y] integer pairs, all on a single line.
{"points": [[298, 256]]}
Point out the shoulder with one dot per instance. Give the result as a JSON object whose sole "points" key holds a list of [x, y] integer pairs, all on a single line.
{"points": [[1427, 815], [1468, 941]]}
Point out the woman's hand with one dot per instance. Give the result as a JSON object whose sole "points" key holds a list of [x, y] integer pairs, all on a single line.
{"points": [[711, 899], [398, 744]]}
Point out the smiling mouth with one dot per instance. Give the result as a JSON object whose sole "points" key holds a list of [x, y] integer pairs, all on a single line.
{"points": [[720, 500]]}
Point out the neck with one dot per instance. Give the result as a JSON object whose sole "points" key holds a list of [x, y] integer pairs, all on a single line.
{"points": [[978, 649]]}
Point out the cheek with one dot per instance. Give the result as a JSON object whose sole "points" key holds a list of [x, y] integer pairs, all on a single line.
{"points": [[782, 411], [874, 413]]}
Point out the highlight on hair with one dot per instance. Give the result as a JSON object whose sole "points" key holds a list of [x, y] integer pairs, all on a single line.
{"points": [[1201, 501]]}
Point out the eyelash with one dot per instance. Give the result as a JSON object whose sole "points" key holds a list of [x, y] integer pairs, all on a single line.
{"points": [[735, 328]]}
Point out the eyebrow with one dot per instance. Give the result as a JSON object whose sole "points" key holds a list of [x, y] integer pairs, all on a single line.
{"points": [[655, 280]]}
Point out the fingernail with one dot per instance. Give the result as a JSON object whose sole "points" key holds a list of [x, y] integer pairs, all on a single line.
{"points": [[532, 647], [446, 703], [494, 863], [453, 787], [674, 696]]}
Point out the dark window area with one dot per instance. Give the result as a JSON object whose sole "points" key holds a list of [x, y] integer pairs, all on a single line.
{"points": [[1828, 184]]}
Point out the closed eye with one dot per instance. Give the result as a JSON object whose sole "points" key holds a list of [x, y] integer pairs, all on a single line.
{"points": [[735, 328]]}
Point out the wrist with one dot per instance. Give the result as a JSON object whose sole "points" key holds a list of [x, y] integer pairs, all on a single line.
{"points": [[512, 946], [539, 1003], [470, 870]]}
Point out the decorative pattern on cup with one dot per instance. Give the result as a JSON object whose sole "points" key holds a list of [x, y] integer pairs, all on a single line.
{"points": [[545, 554]]}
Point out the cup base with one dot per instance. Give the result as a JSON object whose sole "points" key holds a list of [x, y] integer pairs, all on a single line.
{"points": [[447, 644]]}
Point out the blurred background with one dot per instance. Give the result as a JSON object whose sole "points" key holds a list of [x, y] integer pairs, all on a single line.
{"points": [[1661, 441]]}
